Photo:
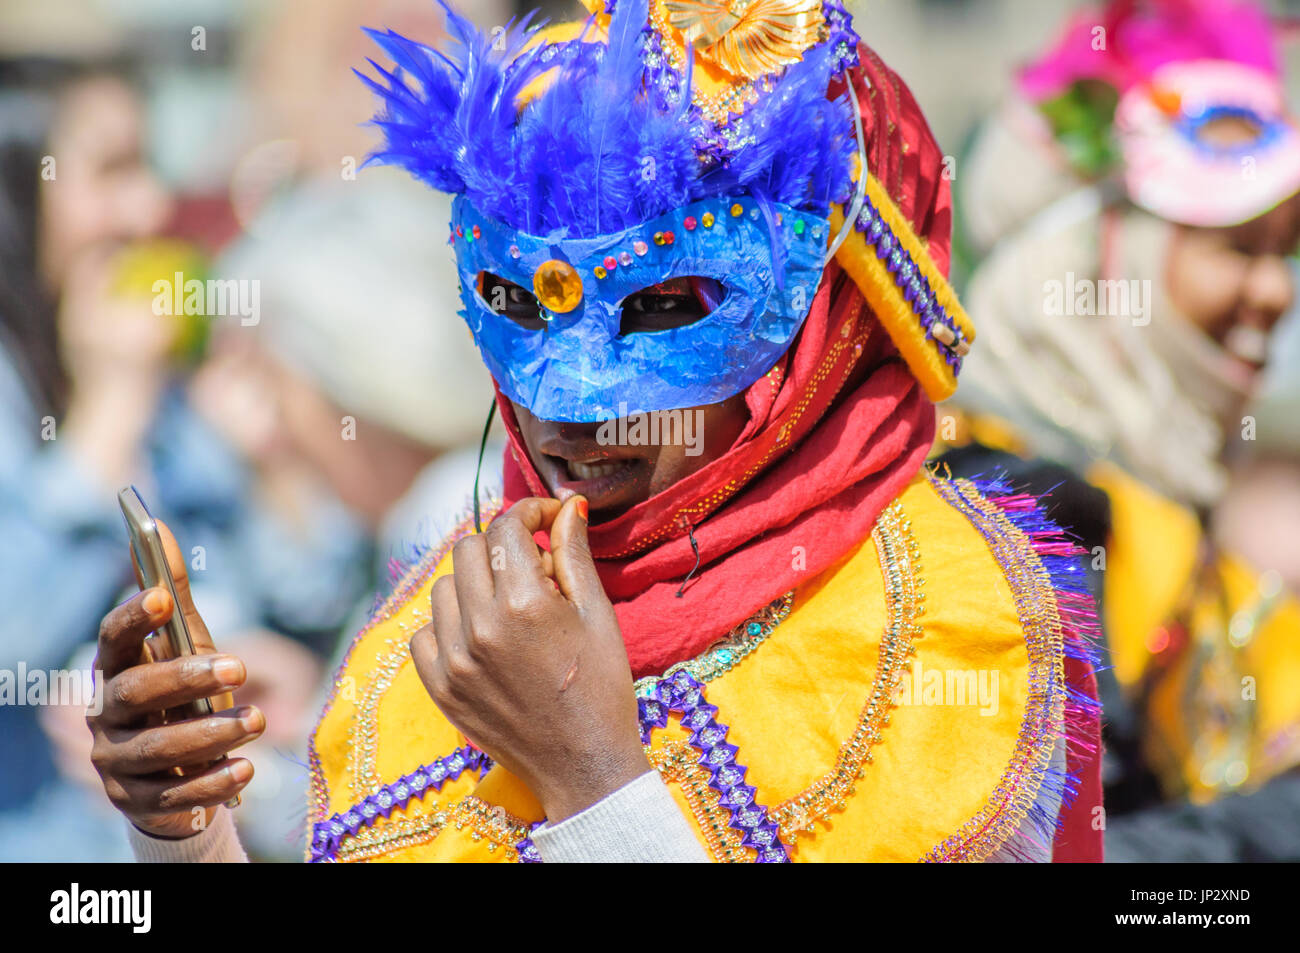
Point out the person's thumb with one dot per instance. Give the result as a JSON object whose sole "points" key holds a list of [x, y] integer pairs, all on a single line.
{"points": [[184, 597]]}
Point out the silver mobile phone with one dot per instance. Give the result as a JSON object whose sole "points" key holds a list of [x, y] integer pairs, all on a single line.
{"points": [[147, 545]]}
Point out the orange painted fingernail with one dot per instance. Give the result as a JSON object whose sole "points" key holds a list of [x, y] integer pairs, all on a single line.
{"points": [[229, 671], [156, 602], [582, 506]]}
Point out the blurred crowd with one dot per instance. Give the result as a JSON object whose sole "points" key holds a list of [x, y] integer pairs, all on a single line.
{"points": [[308, 431], [296, 473]]}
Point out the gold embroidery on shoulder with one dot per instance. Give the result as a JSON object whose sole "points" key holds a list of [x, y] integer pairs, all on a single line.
{"points": [[318, 787], [363, 733]]}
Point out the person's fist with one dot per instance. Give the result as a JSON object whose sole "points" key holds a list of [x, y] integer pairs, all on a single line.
{"points": [[160, 771], [524, 655]]}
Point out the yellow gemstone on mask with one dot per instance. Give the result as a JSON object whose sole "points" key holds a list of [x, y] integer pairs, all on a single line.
{"points": [[558, 286], [708, 219]]}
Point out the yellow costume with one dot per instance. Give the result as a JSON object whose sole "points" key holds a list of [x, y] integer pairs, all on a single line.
{"points": [[909, 704]]}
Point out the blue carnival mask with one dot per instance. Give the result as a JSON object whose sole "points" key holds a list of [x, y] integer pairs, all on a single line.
{"points": [[585, 173], [576, 364]]}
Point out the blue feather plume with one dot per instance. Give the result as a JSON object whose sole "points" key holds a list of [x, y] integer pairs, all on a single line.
{"points": [[597, 151]]}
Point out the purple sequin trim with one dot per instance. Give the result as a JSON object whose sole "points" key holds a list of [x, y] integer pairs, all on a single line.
{"points": [[843, 39], [683, 694], [328, 835], [526, 849], [910, 279]]}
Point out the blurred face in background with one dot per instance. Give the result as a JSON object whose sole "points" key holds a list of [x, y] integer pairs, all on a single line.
{"points": [[103, 194], [1236, 283]]}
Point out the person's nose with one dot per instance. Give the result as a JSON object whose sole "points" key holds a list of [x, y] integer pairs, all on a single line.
{"points": [[147, 208], [1269, 293]]}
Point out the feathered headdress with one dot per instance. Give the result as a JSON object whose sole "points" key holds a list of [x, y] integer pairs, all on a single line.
{"points": [[586, 137], [659, 138]]}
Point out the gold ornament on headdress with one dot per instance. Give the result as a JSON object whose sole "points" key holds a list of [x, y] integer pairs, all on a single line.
{"points": [[747, 38], [742, 39]]}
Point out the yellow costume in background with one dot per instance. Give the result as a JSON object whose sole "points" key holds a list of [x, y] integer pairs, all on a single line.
{"points": [[1214, 651]]}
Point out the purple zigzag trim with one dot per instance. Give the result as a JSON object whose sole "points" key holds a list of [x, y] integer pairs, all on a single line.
{"points": [[910, 280], [684, 694], [328, 835]]}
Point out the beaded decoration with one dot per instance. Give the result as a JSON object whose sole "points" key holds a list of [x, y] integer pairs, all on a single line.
{"points": [[728, 652], [328, 835]]}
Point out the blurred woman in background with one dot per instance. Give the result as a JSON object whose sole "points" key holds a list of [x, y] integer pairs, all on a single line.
{"points": [[92, 398], [81, 371], [1126, 324]]}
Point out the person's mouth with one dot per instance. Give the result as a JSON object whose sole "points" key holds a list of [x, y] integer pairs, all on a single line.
{"points": [[595, 471], [1247, 348], [608, 482]]}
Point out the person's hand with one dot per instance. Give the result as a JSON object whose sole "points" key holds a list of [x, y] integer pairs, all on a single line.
{"points": [[108, 334], [524, 656], [136, 748]]}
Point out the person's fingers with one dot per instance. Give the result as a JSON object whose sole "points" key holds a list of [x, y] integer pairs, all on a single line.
{"points": [[122, 632], [425, 654], [197, 742], [511, 544], [536, 513], [575, 570], [148, 689], [172, 794], [472, 574], [424, 650], [445, 617]]}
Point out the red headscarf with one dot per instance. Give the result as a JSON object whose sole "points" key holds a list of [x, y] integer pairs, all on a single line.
{"points": [[837, 430]]}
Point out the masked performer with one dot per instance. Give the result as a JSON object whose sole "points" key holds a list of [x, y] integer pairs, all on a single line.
{"points": [[1124, 329], [702, 252]]}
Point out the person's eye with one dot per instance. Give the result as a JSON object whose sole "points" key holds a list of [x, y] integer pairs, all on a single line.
{"points": [[515, 302], [678, 303]]}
